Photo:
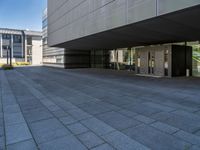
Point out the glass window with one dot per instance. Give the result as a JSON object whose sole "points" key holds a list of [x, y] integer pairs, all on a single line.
{"points": [[44, 40], [17, 39], [44, 23], [196, 60], [29, 50], [29, 40], [6, 36]]}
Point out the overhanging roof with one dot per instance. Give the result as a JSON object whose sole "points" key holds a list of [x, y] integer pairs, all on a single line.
{"points": [[178, 26]]}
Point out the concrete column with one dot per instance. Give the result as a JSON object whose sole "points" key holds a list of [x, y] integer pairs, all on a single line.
{"points": [[1, 48], [25, 48], [22, 40], [12, 45]]}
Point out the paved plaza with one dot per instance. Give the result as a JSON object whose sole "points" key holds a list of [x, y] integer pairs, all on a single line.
{"points": [[56, 109]]}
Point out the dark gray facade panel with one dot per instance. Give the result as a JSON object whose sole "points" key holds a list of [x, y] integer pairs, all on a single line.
{"points": [[181, 60]]}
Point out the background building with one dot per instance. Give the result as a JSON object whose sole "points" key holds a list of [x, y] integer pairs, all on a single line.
{"points": [[52, 56], [26, 46], [152, 37]]}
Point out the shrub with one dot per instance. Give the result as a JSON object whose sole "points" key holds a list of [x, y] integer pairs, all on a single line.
{"points": [[7, 67], [22, 63]]}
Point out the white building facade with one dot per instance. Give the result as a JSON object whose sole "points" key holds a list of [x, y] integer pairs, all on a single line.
{"points": [[25, 46]]}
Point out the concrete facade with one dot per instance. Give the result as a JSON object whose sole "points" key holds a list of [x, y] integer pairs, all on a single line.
{"points": [[37, 51], [52, 56], [74, 19], [119, 26]]}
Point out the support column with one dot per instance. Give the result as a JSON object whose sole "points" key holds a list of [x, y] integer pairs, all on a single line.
{"points": [[22, 42], [25, 48], [12, 45], [1, 48]]}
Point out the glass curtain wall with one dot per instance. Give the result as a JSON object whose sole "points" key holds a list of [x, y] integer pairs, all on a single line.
{"points": [[122, 59], [195, 57], [17, 46]]}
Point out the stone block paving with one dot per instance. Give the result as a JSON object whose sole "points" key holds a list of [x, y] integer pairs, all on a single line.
{"points": [[55, 109]]}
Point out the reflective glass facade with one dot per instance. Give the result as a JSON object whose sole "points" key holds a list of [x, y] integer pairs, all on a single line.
{"points": [[122, 59], [196, 59]]}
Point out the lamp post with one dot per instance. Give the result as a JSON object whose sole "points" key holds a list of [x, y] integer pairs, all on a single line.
{"points": [[7, 48], [9, 52], [10, 56]]}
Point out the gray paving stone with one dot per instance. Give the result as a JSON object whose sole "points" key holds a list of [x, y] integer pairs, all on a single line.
{"points": [[53, 108], [191, 138], [13, 118], [81, 99], [67, 120], [103, 147], [117, 121], [144, 119], [24, 145], [97, 126], [2, 143], [197, 133], [36, 93], [31, 104], [187, 114], [65, 105], [77, 128], [17, 133], [194, 147], [134, 96], [46, 102], [12, 109], [1, 115], [1, 131], [155, 139], [123, 142], [37, 114], [117, 100], [127, 113], [164, 127], [182, 122], [179, 106], [47, 130], [97, 107], [143, 109], [60, 113], [69, 142], [159, 106], [8, 100], [79, 114], [90, 140]]}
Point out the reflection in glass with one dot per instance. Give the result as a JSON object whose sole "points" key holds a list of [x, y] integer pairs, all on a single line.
{"points": [[196, 60], [122, 59], [166, 65]]}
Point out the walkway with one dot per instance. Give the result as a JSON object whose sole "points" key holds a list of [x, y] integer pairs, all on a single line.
{"points": [[57, 109]]}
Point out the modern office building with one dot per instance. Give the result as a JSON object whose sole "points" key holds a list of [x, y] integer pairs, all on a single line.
{"points": [[151, 37], [25, 46], [52, 56]]}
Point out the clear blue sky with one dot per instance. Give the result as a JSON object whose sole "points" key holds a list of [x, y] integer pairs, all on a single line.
{"points": [[22, 14]]}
